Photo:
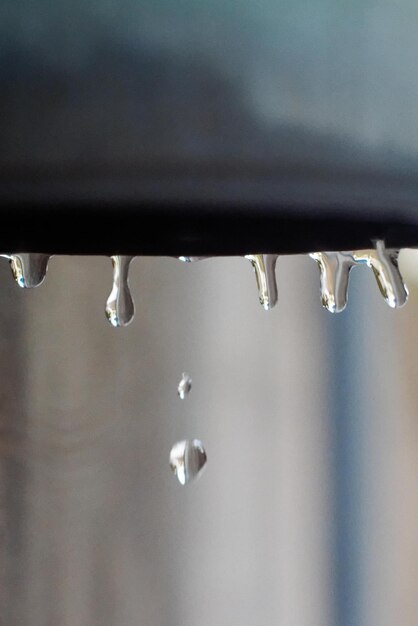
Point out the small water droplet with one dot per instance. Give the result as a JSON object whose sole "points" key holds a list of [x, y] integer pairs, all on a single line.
{"points": [[187, 459], [264, 266], [184, 386], [28, 269], [335, 268], [120, 305]]}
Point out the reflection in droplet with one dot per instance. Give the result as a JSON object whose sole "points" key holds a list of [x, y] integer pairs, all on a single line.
{"points": [[335, 269], [184, 386], [187, 459], [384, 263], [28, 269], [120, 305], [265, 272]]}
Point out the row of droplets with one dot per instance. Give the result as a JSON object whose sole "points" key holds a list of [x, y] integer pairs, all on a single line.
{"points": [[334, 268], [187, 457], [29, 270]]}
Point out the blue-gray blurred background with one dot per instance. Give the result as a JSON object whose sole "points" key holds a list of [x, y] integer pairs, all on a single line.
{"points": [[307, 512], [127, 90]]}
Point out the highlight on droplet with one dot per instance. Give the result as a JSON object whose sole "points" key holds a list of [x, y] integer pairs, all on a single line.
{"points": [[187, 460], [28, 269], [335, 269], [265, 273], [120, 307], [384, 263], [184, 386], [191, 259]]}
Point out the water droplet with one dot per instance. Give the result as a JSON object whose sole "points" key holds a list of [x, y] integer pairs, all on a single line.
{"points": [[187, 459], [384, 263], [264, 266], [120, 305], [192, 259], [335, 268], [184, 386], [28, 269]]}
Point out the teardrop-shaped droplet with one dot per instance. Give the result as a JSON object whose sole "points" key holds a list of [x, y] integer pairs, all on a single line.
{"points": [[120, 305], [28, 269], [265, 272], [384, 263], [334, 269], [184, 386], [187, 459]]}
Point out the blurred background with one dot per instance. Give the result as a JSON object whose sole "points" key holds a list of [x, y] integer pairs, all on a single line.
{"points": [[199, 100], [307, 510]]}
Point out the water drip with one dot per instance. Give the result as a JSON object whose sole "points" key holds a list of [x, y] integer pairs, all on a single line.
{"points": [[28, 269], [265, 272], [187, 460], [335, 269], [120, 305], [184, 386]]}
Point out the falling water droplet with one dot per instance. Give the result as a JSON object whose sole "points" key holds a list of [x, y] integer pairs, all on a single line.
{"points": [[120, 305], [384, 263], [335, 269], [187, 459], [28, 269], [184, 386], [264, 266]]}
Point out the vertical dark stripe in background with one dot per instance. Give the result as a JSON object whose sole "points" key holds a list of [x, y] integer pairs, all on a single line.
{"points": [[348, 403]]}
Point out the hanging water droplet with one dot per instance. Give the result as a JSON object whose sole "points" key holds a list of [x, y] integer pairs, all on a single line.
{"points": [[28, 269], [187, 459], [384, 263], [335, 269], [264, 266], [120, 305], [184, 386]]}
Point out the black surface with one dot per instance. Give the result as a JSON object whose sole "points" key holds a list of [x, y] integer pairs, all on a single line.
{"points": [[192, 230]]}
